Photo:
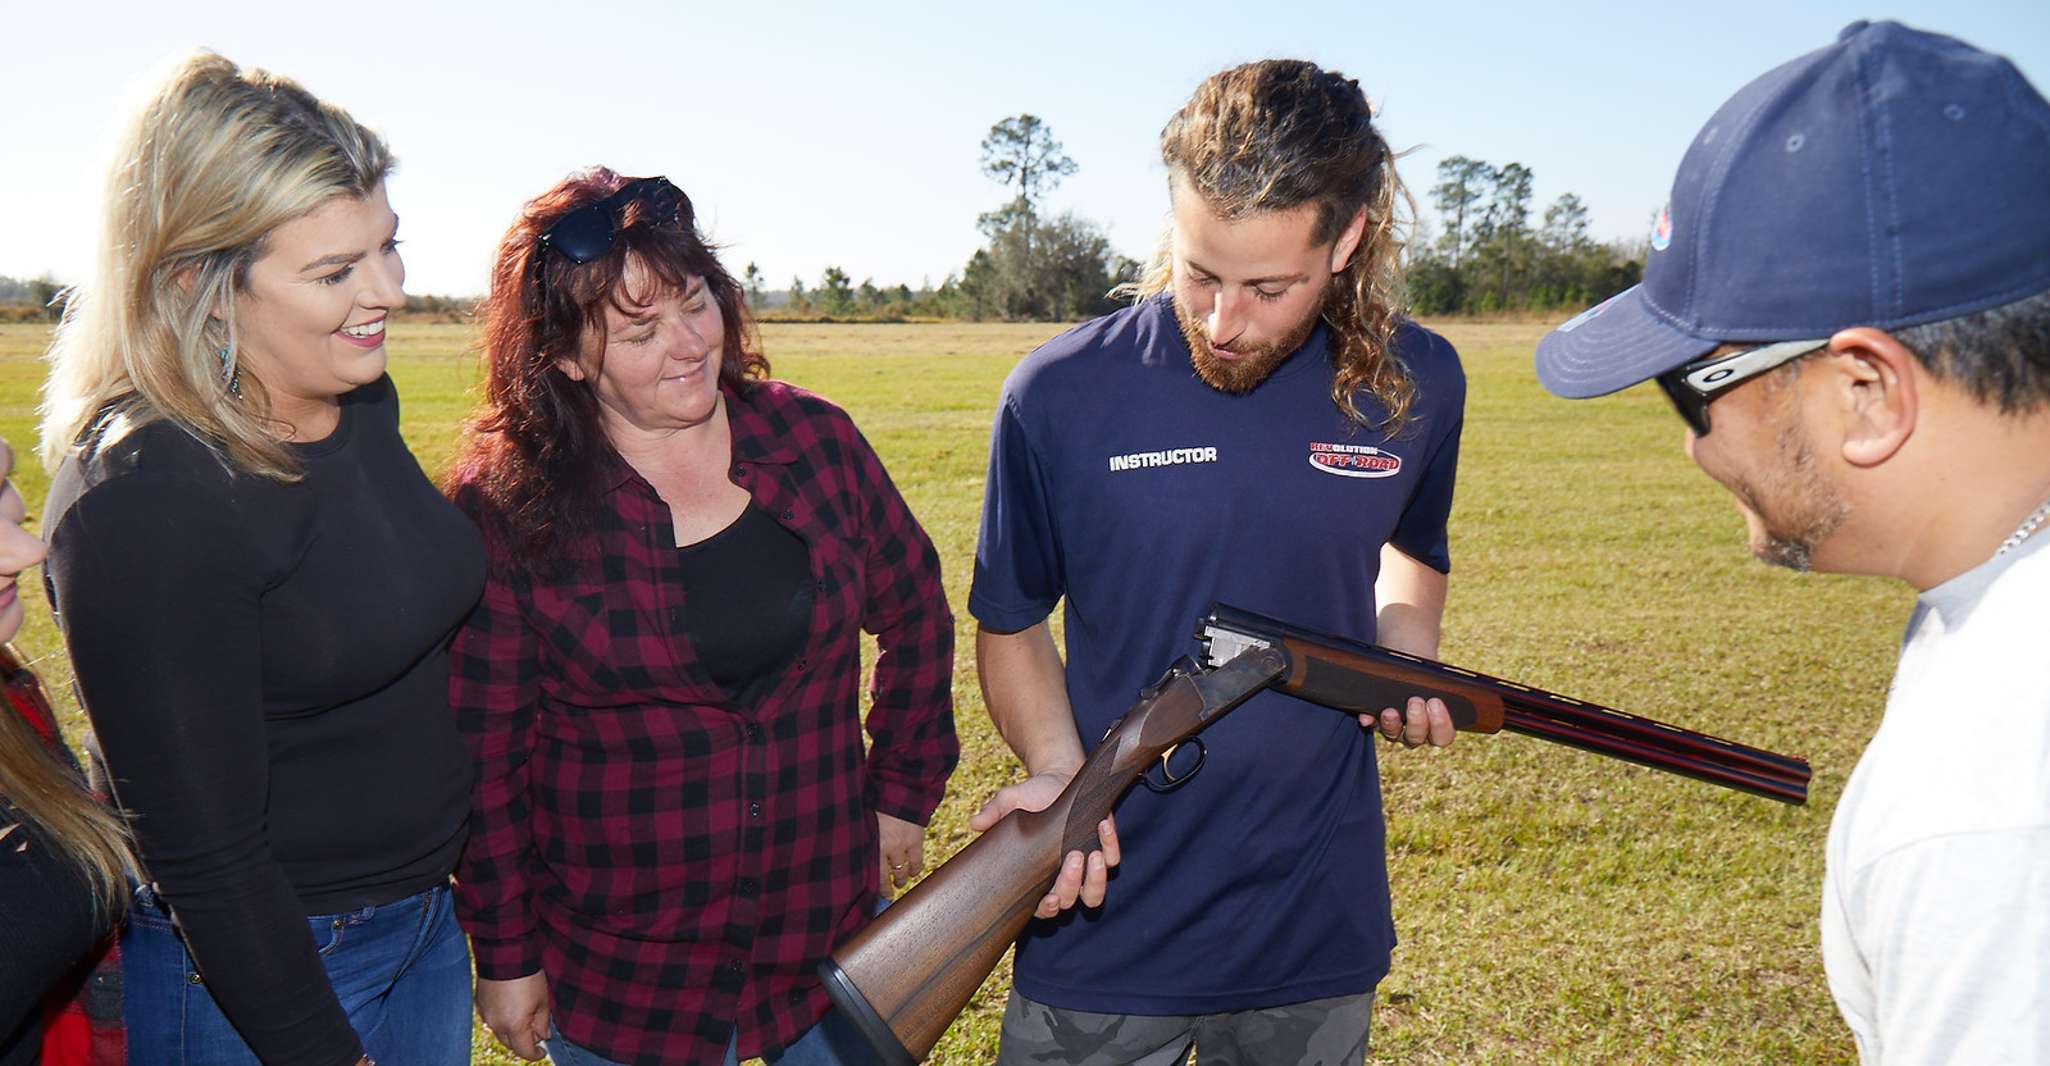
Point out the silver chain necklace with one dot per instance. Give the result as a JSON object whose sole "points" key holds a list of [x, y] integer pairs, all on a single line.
{"points": [[2021, 532]]}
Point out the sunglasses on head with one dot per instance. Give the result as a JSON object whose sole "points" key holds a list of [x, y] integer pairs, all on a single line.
{"points": [[588, 232], [1693, 386]]}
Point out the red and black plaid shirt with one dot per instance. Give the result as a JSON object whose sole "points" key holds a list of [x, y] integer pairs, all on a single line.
{"points": [[675, 865]]}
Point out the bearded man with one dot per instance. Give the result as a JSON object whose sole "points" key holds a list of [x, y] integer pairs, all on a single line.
{"points": [[1263, 427]]}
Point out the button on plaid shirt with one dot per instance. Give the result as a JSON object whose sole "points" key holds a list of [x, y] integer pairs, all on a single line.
{"points": [[677, 866]]}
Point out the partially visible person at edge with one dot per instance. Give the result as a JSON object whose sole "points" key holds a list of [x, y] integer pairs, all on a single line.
{"points": [[1848, 302], [258, 585], [1268, 357], [675, 821], [64, 858]]}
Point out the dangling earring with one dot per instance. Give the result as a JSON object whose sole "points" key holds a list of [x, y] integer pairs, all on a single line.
{"points": [[233, 374]]}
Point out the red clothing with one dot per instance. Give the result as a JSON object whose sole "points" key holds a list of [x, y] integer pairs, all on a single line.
{"points": [[85, 1030], [676, 866]]}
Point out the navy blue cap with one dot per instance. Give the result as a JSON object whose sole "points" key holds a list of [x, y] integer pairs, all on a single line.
{"points": [[1893, 178]]}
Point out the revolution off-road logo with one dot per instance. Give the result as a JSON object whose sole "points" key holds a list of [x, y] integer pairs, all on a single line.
{"points": [[1354, 460]]}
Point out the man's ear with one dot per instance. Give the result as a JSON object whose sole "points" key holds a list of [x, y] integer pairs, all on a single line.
{"points": [[1348, 241], [1878, 380]]}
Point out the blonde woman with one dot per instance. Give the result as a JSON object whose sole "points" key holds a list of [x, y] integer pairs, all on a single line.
{"points": [[64, 859], [258, 585]]}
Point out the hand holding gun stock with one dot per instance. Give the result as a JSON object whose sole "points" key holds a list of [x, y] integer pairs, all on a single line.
{"points": [[1351, 676], [906, 975]]}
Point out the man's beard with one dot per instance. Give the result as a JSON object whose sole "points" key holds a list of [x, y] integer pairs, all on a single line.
{"points": [[1253, 365], [1807, 508]]}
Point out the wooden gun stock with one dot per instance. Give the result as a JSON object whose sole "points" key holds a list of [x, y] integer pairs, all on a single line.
{"points": [[906, 975], [1357, 677]]}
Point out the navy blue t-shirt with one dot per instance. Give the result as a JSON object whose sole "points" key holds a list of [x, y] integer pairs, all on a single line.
{"points": [[1122, 482]]}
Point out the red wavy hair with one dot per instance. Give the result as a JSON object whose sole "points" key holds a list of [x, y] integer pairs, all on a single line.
{"points": [[534, 452]]}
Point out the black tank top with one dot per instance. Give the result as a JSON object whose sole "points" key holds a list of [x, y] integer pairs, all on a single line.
{"points": [[747, 602]]}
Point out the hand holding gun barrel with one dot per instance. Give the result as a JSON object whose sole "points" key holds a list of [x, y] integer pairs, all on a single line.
{"points": [[1352, 676]]}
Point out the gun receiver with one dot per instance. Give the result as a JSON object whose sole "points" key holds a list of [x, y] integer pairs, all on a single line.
{"points": [[1352, 676], [906, 975]]}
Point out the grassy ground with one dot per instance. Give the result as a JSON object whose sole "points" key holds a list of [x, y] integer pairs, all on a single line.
{"points": [[1553, 907]]}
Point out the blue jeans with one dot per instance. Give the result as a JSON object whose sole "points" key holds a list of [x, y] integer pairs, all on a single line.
{"points": [[401, 971], [832, 1042]]}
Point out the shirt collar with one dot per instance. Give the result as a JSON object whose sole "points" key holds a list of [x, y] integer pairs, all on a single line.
{"points": [[755, 421]]}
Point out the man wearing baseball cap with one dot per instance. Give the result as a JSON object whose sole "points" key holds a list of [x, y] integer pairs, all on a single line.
{"points": [[1848, 302]]}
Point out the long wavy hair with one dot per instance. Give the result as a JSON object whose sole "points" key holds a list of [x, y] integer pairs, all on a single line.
{"points": [[534, 451], [1280, 133], [213, 160], [48, 796]]}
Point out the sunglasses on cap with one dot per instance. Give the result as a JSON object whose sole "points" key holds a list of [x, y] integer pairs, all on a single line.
{"points": [[587, 232], [1693, 386]]}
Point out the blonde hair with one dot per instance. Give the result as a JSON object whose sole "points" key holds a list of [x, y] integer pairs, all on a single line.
{"points": [[212, 161], [1281, 133], [47, 795]]}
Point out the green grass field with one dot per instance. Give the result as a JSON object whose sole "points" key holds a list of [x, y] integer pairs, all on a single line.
{"points": [[1553, 907]]}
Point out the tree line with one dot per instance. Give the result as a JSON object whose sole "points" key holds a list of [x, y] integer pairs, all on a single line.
{"points": [[40, 297], [1031, 265], [1487, 256]]}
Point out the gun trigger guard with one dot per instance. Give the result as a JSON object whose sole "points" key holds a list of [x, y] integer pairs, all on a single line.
{"points": [[1169, 781]]}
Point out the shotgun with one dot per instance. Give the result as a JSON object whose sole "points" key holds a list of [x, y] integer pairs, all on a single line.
{"points": [[905, 976], [1357, 677]]}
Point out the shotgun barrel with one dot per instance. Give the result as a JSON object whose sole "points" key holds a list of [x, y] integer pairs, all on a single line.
{"points": [[1353, 676]]}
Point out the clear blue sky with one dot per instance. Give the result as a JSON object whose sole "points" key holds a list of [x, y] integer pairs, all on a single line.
{"points": [[847, 134]]}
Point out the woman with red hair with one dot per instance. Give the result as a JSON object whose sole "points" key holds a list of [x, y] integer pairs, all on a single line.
{"points": [[675, 820]]}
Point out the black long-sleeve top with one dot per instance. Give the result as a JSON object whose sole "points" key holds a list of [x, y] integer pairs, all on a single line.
{"points": [[47, 925], [265, 665], [49, 921]]}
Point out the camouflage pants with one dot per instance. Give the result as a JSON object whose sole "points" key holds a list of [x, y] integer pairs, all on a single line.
{"points": [[1318, 1032]]}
